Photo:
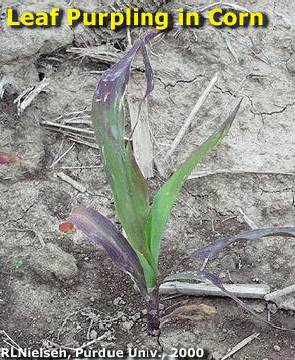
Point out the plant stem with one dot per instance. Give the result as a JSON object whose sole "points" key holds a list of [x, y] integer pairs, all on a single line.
{"points": [[153, 316]]}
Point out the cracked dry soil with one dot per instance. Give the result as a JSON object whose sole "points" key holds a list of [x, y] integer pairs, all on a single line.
{"points": [[68, 292]]}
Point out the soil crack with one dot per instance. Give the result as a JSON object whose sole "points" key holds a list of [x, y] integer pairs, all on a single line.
{"points": [[24, 214], [179, 81], [284, 107], [195, 196], [274, 191]]}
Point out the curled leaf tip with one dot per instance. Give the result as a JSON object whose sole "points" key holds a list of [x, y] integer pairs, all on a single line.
{"points": [[114, 81]]}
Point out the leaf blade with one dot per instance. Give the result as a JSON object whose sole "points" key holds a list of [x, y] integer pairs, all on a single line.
{"points": [[167, 195], [215, 280], [127, 182], [212, 250], [104, 233]]}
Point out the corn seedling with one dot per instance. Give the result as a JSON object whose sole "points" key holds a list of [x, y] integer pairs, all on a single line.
{"points": [[144, 224]]}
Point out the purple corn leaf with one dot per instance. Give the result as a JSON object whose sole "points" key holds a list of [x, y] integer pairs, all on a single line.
{"points": [[212, 250], [104, 233], [202, 276], [128, 184], [114, 81], [148, 70], [217, 282], [214, 279]]}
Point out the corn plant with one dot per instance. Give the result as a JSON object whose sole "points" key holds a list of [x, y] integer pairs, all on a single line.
{"points": [[144, 224]]}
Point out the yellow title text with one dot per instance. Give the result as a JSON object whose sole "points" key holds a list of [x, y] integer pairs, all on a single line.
{"points": [[134, 17]]}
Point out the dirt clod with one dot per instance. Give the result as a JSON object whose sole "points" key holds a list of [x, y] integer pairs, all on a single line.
{"points": [[51, 263], [229, 262]]}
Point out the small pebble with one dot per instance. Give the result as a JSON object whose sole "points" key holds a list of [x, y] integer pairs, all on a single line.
{"points": [[127, 325], [272, 308], [222, 274], [116, 301], [93, 334], [259, 308], [135, 316], [215, 356], [101, 325], [276, 348]]}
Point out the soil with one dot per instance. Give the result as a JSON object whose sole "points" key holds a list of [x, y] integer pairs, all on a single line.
{"points": [[60, 290]]}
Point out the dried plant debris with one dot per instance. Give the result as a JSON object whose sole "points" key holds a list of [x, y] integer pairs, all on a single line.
{"points": [[5, 81], [6, 158], [100, 53], [28, 95], [246, 291], [76, 126], [190, 312]]}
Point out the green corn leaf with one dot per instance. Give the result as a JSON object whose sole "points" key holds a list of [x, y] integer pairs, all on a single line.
{"points": [[167, 195], [130, 193], [127, 182]]}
